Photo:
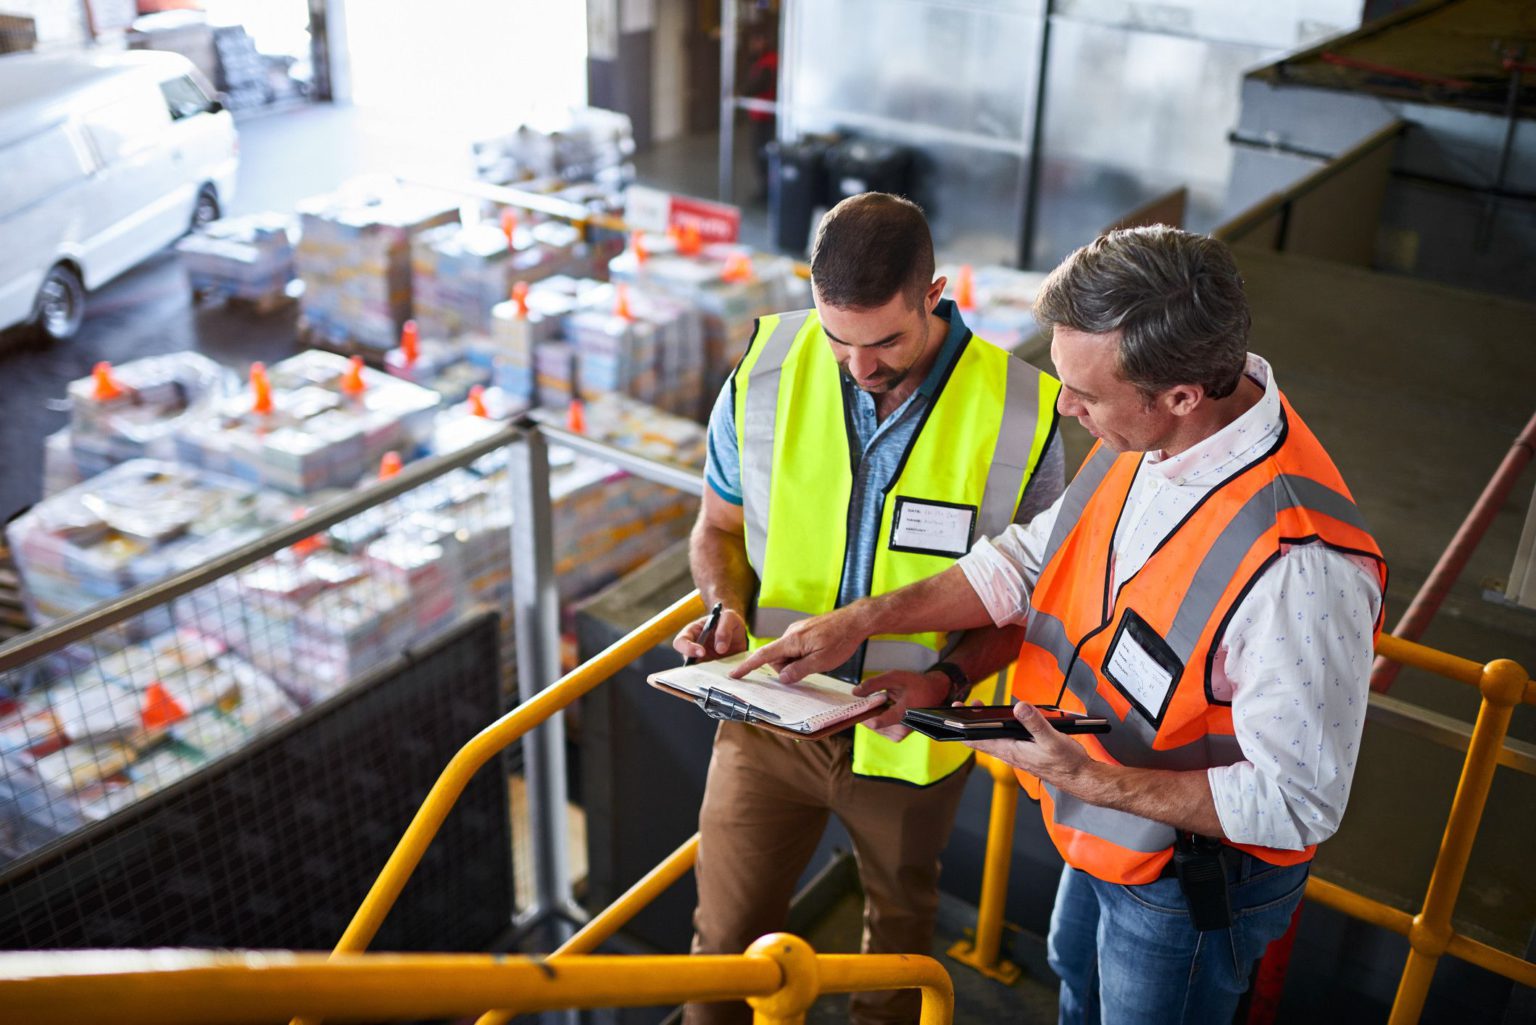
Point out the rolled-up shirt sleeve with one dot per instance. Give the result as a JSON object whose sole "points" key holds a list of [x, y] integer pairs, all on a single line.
{"points": [[722, 462], [1003, 570], [1296, 666]]}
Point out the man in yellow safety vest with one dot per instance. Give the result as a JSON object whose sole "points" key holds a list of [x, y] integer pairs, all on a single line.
{"points": [[858, 446]]}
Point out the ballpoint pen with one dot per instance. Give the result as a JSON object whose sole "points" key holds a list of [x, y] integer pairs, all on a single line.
{"points": [[707, 634]]}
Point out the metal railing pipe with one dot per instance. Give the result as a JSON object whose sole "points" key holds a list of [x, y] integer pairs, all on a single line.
{"points": [[1356, 905], [190, 987], [552, 206], [780, 976], [1504, 684], [1493, 959], [672, 475], [489, 742], [618, 914], [1233, 230], [855, 973], [983, 951], [1453, 560]]}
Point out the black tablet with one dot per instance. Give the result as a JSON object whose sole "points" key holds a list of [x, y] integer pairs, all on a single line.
{"points": [[994, 722]]}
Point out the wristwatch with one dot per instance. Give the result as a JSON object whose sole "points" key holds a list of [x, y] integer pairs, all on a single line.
{"points": [[959, 686]]}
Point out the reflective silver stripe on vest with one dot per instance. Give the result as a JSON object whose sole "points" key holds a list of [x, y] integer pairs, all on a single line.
{"points": [[1131, 742], [882, 656], [1121, 828], [1010, 458], [768, 622], [1075, 499], [760, 414], [1237, 538]]}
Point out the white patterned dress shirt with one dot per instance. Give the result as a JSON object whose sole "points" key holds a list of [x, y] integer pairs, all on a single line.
{"points": [[1295, 659]]}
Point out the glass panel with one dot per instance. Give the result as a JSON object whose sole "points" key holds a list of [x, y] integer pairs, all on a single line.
{"points": [[183, 98]]}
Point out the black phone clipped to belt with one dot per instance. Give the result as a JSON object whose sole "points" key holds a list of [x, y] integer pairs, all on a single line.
{"points": [[1201, 867]]}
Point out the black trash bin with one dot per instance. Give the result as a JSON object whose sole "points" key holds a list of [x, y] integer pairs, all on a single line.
{"points": [[797, 185], [868, 165]]}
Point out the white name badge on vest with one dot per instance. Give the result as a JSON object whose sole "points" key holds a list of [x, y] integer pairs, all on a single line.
{"points": [[932, 528], [1142, 666]]}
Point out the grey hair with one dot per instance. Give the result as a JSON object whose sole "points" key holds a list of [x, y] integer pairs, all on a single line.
{"points": [[1176, 298]]}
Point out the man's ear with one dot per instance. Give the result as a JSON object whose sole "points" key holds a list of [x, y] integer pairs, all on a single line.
{"points": [[1182, 399], [934, 294]]}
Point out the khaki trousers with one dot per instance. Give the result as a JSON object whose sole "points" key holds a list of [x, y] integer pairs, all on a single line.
{"points": [[765, 806]]}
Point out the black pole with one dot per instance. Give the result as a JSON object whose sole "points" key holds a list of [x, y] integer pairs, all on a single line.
{"points": [[1036, 142]]}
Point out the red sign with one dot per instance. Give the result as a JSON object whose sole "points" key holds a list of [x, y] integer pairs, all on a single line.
{"points": [[715, 222], [653, 210]]}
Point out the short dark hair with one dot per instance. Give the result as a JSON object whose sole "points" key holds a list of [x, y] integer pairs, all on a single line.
{"points": [[869, 248], [1176, 297]]}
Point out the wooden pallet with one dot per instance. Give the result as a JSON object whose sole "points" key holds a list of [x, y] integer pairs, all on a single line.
{"points": [[14, 620]]}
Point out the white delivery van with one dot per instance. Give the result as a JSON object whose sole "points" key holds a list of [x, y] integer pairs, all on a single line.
{"points": [[105, 157]]}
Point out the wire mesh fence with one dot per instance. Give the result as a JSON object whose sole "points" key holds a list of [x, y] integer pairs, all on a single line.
{"points": [[135, 706], [275, 844], [142, 719]]}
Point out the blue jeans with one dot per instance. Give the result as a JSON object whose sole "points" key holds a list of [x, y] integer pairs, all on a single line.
{"points": [[1129, 953]]}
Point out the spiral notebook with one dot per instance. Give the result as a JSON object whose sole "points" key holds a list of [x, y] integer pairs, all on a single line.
{"points": [[815, 707]]}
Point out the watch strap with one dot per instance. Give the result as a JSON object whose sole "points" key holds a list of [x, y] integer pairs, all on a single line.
{"points": [[959, 685]]}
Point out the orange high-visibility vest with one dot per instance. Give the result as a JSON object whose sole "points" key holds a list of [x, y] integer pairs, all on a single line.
{"points": [[1142, 656]]}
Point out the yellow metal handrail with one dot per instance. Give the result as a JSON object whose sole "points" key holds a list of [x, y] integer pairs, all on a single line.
{"points": [[1503, 684], [780, 976], [616, 915], [983, 951], [490, 742]]}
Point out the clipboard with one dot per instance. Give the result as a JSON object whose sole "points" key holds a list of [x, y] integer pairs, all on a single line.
{"points": [[720, 704]]}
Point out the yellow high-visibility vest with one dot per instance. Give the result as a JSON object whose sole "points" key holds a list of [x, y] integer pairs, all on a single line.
{"points": [[961, 478]]}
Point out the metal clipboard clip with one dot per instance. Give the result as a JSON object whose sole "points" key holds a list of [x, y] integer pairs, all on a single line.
{"points": [[717, 704]]}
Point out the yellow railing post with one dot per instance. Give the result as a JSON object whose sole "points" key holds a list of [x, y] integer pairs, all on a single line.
{"points": [[982, 952], [801, 980], [614, 917], [1503, 685]]}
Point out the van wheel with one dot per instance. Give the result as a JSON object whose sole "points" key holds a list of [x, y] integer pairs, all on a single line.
{"points": [[60, 305], [207, 209]]}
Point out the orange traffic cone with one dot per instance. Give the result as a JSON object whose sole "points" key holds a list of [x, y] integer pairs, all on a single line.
{"points": [[738, 268], [352, 381], [261, 390], [637, 243], [160, 709], [576, 417], [477, 402], [689, 241], [509, 224], [106, 386], [965, 288], [410, 342], [390, 465], [520, 296], [306, 545], [621, 302]]}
